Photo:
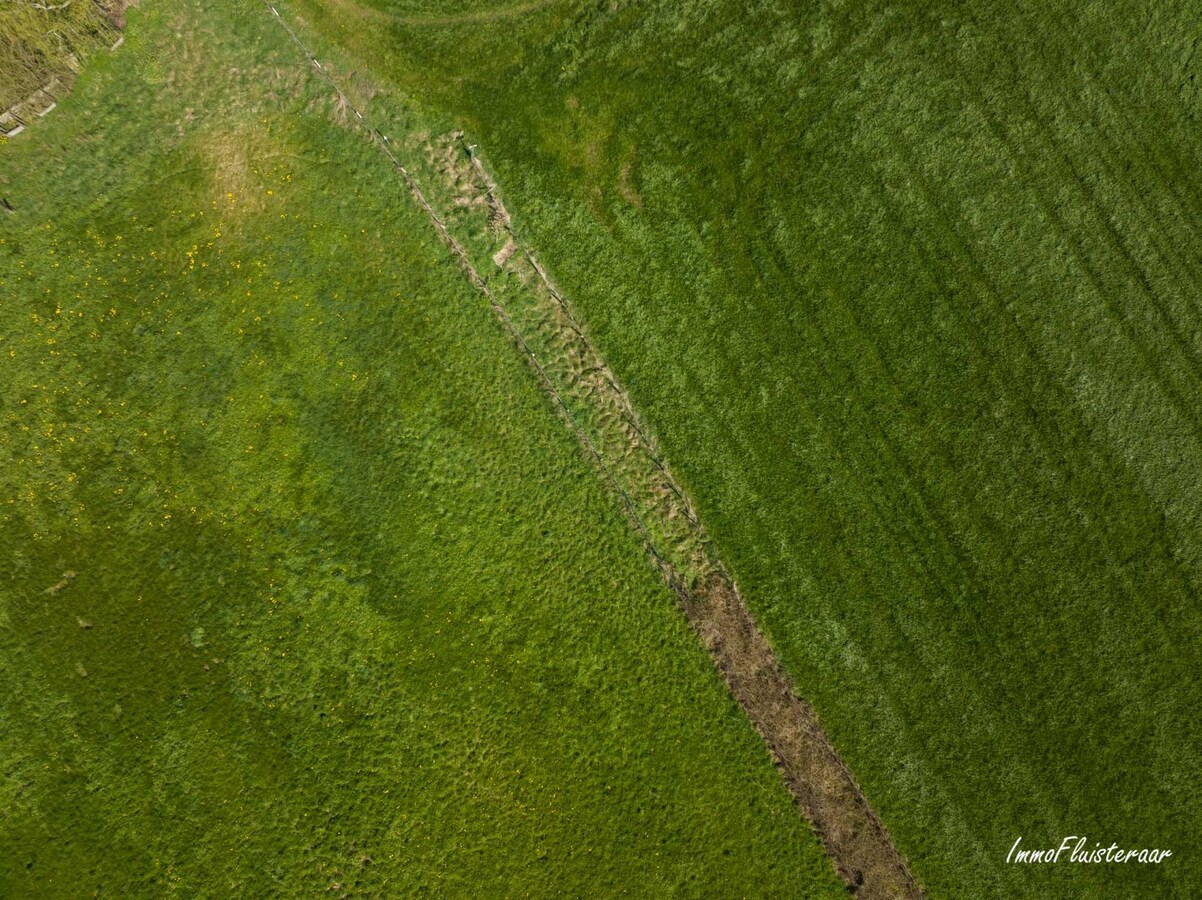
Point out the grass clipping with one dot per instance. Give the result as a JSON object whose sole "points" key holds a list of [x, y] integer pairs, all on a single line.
{"points": [[44, 43]]}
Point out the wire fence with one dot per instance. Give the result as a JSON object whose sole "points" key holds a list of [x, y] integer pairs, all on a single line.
{"points": [[662, 563]]}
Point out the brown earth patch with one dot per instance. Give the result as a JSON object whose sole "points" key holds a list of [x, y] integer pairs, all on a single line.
{"points": [[856, 840], [626, 186]]}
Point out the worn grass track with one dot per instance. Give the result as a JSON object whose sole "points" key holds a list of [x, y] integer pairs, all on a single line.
{"points": [[586, 393]]}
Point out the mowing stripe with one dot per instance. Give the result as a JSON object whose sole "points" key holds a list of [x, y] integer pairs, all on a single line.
{"points": [[586, 393]]}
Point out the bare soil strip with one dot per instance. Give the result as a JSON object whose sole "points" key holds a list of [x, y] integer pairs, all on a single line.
{"points": [[586, 393]]}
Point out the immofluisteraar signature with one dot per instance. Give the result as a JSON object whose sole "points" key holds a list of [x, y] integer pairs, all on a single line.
{"points": [[1073, 849]]}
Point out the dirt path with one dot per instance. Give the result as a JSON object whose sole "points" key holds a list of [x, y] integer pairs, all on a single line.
{"points": [[460, 196]]}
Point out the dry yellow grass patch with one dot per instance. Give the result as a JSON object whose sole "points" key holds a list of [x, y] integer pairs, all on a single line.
{"points": [[237, 160]]}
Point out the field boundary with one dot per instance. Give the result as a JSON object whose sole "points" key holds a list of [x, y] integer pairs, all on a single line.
{"points": [[42, 100], [586, 393]]}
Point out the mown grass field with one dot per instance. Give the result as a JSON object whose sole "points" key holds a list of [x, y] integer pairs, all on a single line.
{"points": [[910, 294], [308, 590]]}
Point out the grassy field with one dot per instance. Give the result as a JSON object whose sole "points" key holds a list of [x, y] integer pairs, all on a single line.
{"points": [[910, 294], [309, 590]]}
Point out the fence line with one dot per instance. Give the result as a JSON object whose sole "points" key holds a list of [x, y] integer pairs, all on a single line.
{"points": [[381, 140]]}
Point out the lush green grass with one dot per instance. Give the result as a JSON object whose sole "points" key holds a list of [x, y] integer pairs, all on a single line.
{"points": [[347, 605], [910, 294]]}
